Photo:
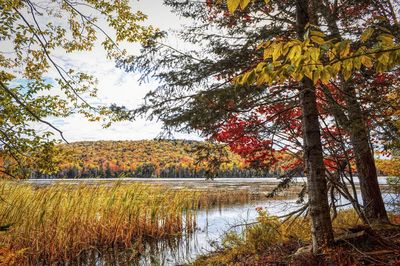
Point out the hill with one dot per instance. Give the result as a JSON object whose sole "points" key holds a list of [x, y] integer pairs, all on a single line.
{"points": [[148, 158]]}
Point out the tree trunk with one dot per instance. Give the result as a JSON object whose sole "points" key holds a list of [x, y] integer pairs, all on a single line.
{"points": [[321, 226], [321, 229], [374, 206]]}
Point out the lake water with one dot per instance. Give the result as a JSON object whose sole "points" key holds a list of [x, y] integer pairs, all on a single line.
{"points": [[187, 182]]}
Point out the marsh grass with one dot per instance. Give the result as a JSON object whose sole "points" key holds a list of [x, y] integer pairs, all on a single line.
{"points": [[273, 242], [59, 222]]}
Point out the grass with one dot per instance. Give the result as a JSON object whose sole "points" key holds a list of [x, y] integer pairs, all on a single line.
{"points": [[271, 242], [55, 223], [58, 222]]}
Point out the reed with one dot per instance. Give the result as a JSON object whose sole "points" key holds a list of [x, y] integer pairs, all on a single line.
{"points": [[58, 222]]}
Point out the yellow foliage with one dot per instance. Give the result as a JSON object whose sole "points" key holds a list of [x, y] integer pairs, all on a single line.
{"points": [[389, 167]]}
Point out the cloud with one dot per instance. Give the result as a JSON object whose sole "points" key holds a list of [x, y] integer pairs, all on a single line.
{"points": [[77, 128], [114, 86]]}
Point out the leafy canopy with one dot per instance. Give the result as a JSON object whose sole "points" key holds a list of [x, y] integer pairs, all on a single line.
{"points": [[320, 59], [33, 34]]}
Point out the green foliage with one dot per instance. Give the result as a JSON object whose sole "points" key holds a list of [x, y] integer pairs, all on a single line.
{"points": [[33, 35]]}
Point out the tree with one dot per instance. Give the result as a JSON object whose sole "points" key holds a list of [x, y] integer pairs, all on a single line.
{"points": [[269, 73], [322, 233], [384, 53], [355, 124], [321, 226], [32, 33]]}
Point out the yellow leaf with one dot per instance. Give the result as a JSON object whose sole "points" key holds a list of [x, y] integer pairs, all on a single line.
{"points": [[348, 65], [384, 59], [263, 44], [386, 38], [345, 49], [332, 54], [315, 52], [336, 67], [297, 76], [317, 33], [316, 75], [244, 4], [277, 51], [260, 66], [308, 72], [367, 34], [325, 76], [366, 61], [267, 53], [233, 5], [346, 73], [286, 48], [264, 78], [317, 40], [295, 51], [357, 63]]}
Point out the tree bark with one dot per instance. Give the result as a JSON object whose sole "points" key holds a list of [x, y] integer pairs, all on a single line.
{"points": [[374, 206], [321, 226]]}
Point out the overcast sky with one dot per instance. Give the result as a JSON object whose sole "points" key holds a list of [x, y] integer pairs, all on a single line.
{"points": [[117, 86]]}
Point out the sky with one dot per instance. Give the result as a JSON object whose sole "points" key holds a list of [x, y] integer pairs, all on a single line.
{"points": [[117, 86]]}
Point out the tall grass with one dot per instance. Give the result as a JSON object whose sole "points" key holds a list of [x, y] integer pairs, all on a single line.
{"points": [[58, 222], [271, 238]]}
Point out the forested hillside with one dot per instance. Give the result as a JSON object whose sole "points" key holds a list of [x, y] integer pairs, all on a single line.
{"points": [[150, 158], [164, 159]]}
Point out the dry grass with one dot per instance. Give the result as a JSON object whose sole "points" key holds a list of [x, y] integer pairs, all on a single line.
{"points": [[58, 222], [271, 242]]}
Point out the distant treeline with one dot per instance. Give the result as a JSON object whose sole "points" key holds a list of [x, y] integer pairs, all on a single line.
{"points": [[146, 159], [149, 171]]}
